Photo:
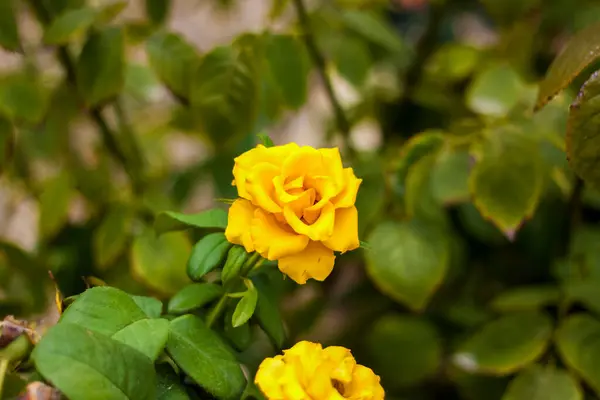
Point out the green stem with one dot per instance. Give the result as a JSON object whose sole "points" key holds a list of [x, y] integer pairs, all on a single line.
{"points": [[318, 59], [217, 311], [253, 262], [3, 369]]}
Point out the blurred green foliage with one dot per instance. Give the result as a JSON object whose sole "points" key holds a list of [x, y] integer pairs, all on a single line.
{"points": [[480, 274]]}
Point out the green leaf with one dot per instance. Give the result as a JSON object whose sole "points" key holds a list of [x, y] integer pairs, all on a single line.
{"points": [[54, 204], [160, 262], [352, 59], [506, 344], [168, 221], [23, 97], [9, 33], [452, 62], [70, 25], [241, 336], [224, 92], [105, 368], [101, 66], [404, 350], [110, 10], [149, 305], [450, 177], [148, 336], [266, 140], [158, 10], [252, 392], [267, 312], [495, 91], [583, 142], [56, 7], [246, 306], [418, 198], [407, 261], [194, 296], [288, 63], [205, 358], [581, 51], [13, 386], [169, 386], [543, 383], [373, 28], [414, 149], [103, 309], [174, 61], [586, 293], [507, 181], [110, 238], [526, 298], [578, 342], [207, 254]]}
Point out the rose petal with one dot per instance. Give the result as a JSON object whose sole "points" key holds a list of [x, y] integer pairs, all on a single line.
{"points": [[260, 186], [272, 240], [347, 197], [345, 231], [322, 229], [240, 217], [315, 261]]}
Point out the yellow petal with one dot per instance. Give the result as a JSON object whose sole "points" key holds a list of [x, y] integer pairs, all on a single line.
{"points": [[272, 240], [268, 377], [298, 201], [321, 229], [246, 161], [365, 385], [341, 361], [260, 186], [315, 261], [240, 217], [345, 231], [332, 161], [347, 197]]}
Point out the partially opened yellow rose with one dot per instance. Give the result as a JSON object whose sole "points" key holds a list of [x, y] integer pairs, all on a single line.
{"points": [[309, 371], [296, 206]]}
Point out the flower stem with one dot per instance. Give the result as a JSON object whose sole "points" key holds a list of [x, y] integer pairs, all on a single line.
{"points": [[318, 59], [3, 369], [254, 261], [217, 311]]}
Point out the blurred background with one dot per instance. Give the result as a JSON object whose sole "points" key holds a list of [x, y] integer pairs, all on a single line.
{"points": [[94, 143]]}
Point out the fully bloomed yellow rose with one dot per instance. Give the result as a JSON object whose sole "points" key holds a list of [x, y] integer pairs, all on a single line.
{"points": [[309, 371], [296, 206]]}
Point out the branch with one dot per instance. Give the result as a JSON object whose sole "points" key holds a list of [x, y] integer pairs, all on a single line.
{"points": [[107, 135], [319, 62]]}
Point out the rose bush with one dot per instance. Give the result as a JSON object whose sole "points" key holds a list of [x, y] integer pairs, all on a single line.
{"points": [[296, 206]]}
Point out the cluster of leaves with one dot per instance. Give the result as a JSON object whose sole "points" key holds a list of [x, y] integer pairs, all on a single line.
{"points": [[482, 269], [124, 346]]}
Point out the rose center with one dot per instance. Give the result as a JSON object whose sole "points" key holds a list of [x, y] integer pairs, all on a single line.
{"points": [[339, 386]]}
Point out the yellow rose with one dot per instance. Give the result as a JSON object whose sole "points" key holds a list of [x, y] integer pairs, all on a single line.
{"points": [[296, 206], [309, 371]]}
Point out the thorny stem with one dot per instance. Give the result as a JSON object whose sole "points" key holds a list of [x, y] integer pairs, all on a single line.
{"points": [[318, 59]]}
